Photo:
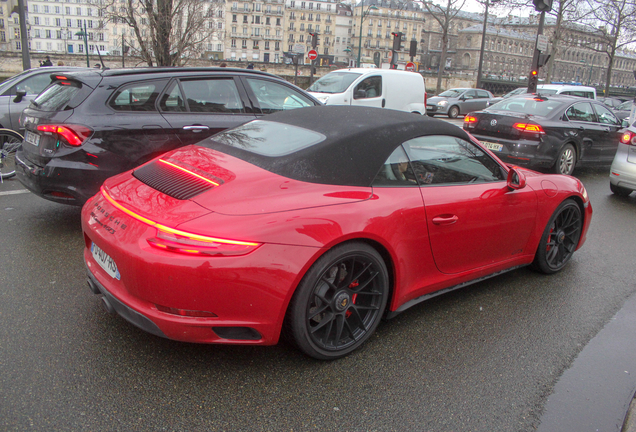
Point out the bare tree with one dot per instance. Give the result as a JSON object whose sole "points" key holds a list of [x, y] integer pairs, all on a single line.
{"points": [[617, 28], [444, 15], [166, 32]]}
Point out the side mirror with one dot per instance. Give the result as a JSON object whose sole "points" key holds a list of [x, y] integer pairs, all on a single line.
{"points": [[19, 95], [516, 179], [625, 123], [360, 94]]}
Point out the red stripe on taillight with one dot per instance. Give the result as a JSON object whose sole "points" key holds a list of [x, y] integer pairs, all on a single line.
{"points": [[529, 127], [74, 135]]}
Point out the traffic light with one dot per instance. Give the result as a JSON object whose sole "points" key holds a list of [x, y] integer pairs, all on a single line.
{"points": [[413, 49], [533, 80], [397, 41], [543, 60], [542, 5], [314, 40]]}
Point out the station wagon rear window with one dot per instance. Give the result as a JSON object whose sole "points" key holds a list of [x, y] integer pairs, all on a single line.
{"points": [[57, 96]]}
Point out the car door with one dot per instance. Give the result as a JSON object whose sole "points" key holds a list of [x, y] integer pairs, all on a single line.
{"points": [[368, 92], [483, 97], [269, 96], [591, 133], [32, 86], [611, 126], [474, 220], [199, 107], [469, 102]]}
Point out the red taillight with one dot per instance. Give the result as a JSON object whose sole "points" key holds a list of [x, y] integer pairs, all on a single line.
{"points": [[174, 240], [74, 135], [628, 138], [470, 119], [529, 127]]}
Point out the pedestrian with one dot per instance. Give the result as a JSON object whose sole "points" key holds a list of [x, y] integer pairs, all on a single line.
{"points": [[47, 62], [223, 64], [250, 66], [60, 63]]}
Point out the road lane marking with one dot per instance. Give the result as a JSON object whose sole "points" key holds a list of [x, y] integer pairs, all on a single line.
{"points": [[15, 192]]}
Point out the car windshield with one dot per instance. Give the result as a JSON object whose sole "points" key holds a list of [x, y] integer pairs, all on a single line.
{"points": [[452, 93], [334, 82], [625, 106], [525, 105], [268, 138]]}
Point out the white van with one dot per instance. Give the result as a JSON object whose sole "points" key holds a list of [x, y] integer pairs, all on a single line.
{"points": [[572, 90], [382, 88]]}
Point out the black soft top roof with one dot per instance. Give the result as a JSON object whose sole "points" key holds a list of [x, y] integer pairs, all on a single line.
{"points": [[358, 142]]}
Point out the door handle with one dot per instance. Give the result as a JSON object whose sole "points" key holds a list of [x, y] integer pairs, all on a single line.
{"points": [[196, 128], [383, 102], [445, 219]]}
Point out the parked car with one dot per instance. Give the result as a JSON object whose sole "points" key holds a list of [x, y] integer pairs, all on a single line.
{"points": [[564, 89], [515, 92], [299, 221], [554, 132], [381, 88], [88, 126], [17, 92], [623, 169], [610, 102], [624, 110], [457, 101]]}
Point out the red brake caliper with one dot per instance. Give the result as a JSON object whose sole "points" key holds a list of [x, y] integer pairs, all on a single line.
{"points": [[353, 297]]}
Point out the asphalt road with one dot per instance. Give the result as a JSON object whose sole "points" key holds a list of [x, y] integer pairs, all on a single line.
{"points": [[484, 358]]}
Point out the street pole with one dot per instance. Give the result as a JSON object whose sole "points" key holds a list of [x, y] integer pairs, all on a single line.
{"points": [[483, 45], [122, 51], [24, 36], [88, 63], [360, 40]]}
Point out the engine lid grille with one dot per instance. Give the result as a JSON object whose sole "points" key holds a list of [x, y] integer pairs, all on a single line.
{"points": [[175, 178]]}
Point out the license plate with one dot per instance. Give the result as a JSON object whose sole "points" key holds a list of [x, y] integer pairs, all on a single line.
{"points": [[32, 138], [105, 261], [492, 146]]}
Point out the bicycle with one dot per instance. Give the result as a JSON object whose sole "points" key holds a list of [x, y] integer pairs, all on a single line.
{"points": [[10, 141]]}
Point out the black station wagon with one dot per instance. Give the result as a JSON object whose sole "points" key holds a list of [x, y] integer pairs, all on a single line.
{"points": [[88, 126]]}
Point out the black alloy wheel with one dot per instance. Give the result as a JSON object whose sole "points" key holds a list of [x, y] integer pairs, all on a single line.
{"points": [[566, 160], [453, 112], [339, 302], [560, 238]]}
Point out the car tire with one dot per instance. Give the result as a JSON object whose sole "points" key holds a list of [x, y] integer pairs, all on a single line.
{"points": [[566, 160], [560, 238], [619, 190], [453, 112], [339, 302], [430, 114]]}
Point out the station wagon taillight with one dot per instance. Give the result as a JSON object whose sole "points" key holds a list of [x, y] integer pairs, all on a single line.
{"points": [[73, 135], [529, 127]]}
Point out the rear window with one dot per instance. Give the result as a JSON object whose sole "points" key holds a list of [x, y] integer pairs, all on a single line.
{"points": [[137, 97], [58, 96], [267, 138], [533, 106]]}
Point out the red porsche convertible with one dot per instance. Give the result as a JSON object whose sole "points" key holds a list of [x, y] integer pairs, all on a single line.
{"points": [[316, 223]]}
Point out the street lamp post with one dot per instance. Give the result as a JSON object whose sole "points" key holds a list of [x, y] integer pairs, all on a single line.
{"points": [[483, 44], [363, 15], [85, 34]]}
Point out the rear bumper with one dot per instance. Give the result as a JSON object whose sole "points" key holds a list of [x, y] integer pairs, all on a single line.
{"points": [[65, 182], [524, 153]]}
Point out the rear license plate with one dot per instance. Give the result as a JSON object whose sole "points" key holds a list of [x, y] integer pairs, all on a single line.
{"points": [[492, 146], [32, 138], [105, 261]]}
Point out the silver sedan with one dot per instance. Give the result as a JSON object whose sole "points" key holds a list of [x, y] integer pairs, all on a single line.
{"points": [[623, 170]]}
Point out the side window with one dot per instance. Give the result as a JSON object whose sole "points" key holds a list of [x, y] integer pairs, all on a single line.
{"points": [[605, 115], [274, 97], [396, 171], [140, 96], [470, 94], [35, 84], [212, 96], [581, 112], [173, 100], [443, 159], [481, 94], [368, 88]]}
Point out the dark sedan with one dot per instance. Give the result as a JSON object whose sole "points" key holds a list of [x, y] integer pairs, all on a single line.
{"points": [[555, 132]]}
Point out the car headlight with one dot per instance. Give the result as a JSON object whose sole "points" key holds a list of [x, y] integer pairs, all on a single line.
{"points": [[323, 99], [442, 103]]}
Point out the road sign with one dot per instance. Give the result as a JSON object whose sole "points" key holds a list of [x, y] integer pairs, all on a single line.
{"points": [[410, 66], [313, 55], [542, 43], [299, 49]]}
